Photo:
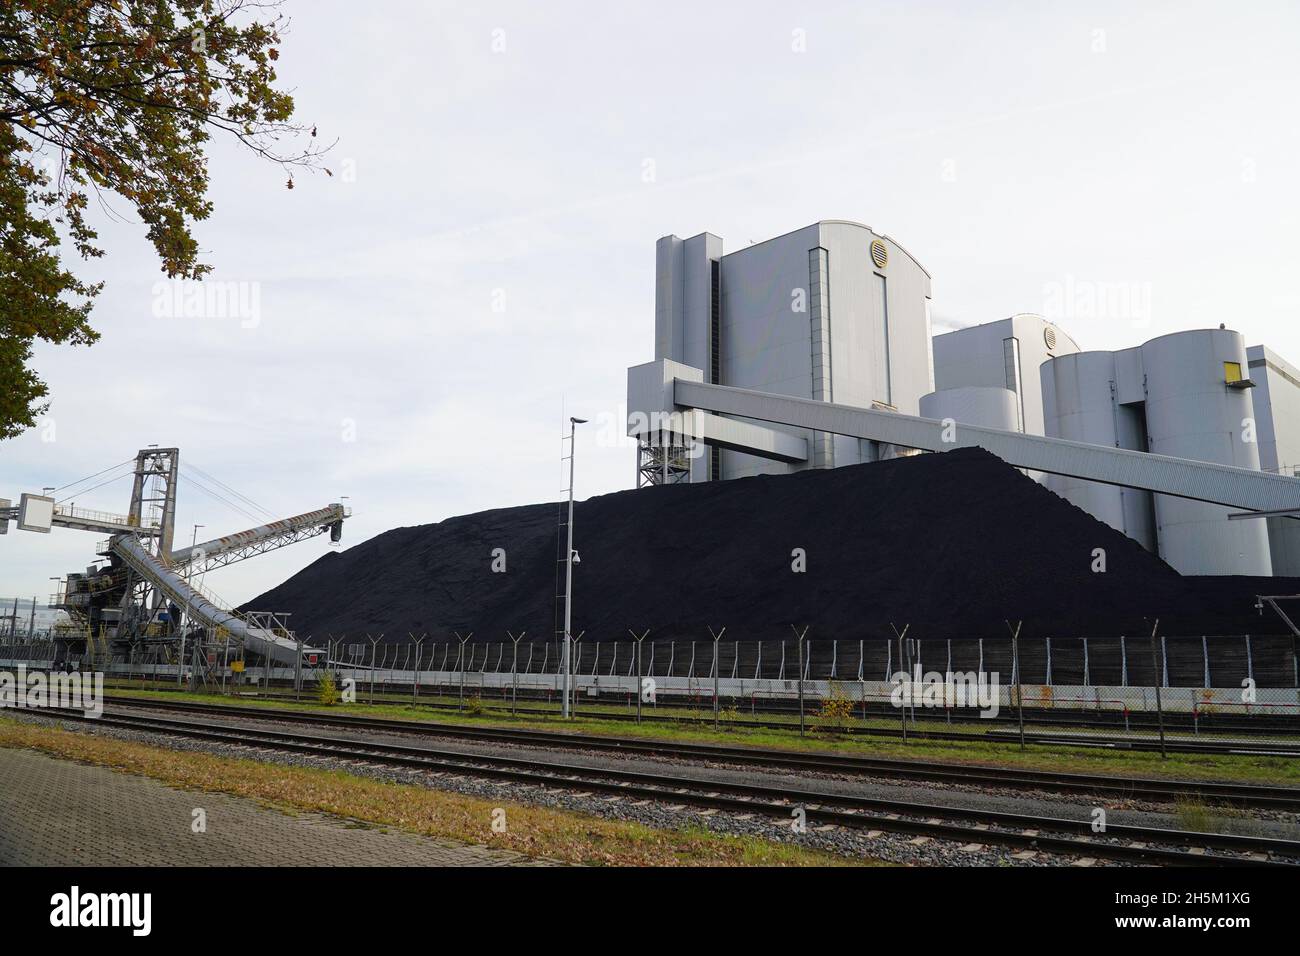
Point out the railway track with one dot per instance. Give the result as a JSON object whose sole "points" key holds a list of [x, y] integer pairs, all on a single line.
{"points": [[965, 825], [1038, 717], [1154, 790], [1057, 736]]}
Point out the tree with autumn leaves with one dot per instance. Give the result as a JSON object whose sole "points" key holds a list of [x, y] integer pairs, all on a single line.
{"points": [[104, 98]]}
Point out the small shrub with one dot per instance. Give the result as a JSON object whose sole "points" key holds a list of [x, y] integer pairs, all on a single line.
{"points": [[474, 706], [327, 689], [836, 710]]}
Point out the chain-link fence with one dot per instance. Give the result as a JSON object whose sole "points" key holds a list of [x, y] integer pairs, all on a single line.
{"points": [[1142, 691]]}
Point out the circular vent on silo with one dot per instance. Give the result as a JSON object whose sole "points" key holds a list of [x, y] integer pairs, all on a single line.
{"points": [[1049, 336], [879, 254]]}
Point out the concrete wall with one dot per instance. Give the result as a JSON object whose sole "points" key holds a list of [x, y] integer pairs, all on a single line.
{"points": [[1169, 397], [1192, 413], [1079, 404], [979, 356], [861, 328], [807, 326], [1277, 416], [766, 344], [988, 407]]}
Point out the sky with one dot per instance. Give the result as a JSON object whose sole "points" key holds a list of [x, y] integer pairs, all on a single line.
{"points": [[413, 331]]}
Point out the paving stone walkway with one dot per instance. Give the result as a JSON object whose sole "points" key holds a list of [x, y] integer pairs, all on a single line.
{"points": [[61, 813]]}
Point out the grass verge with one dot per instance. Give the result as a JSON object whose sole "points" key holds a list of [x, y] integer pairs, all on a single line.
{"points": [[1244, 768], [534, 831]]}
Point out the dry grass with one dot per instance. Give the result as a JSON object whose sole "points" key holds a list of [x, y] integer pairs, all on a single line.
{"points": [[534, 831]]}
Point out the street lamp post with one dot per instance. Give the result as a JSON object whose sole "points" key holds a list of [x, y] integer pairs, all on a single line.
{"points": [[568, 571]]}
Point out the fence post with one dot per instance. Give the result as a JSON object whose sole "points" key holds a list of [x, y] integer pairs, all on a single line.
{"points": [[1015, 672], [799, 641], [297, 670], [1156, 672], [460, 665], [575, 660], [907, 677], [716, 637], [374, 650], [514, 673], [415, 675], [639, 678], [908, 644]]}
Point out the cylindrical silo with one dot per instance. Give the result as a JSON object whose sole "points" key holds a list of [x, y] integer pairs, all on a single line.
{"points": [[1079, 405], [988, 406], [1194, 410]]}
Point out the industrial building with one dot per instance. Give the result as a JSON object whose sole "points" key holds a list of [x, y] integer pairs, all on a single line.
{"points": [[838, 314], [1003, 355], [146, 592], [830, 312], [1199, 394]]}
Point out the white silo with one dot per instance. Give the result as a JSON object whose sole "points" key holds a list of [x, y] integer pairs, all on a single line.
{"points": [[1198, 406], [1081, 402], [990, 407]]}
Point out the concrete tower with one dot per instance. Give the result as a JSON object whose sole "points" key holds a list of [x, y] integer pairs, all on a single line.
{"points": [[831, 312]]}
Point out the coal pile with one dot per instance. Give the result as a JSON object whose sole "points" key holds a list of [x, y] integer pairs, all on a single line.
{"points": [[953, 544]]}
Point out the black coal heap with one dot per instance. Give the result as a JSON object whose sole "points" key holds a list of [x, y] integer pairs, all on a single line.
{"points": [[953, 544]]}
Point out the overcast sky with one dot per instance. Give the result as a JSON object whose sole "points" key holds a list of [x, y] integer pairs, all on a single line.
{"points": [[482, 262]]}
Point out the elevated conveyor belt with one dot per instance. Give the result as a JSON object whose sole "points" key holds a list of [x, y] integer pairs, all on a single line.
{"points": [[177, 590], [267, 537], [668, 388]]}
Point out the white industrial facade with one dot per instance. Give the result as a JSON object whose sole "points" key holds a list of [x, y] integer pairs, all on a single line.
{"points": [[831, 312], [835, 318], [1277, 413], [1185, 395], [1200, 395], [1003, 354]]}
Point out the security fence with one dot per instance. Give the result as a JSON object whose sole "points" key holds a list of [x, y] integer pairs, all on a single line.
{"points": [[1153, 692]]}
